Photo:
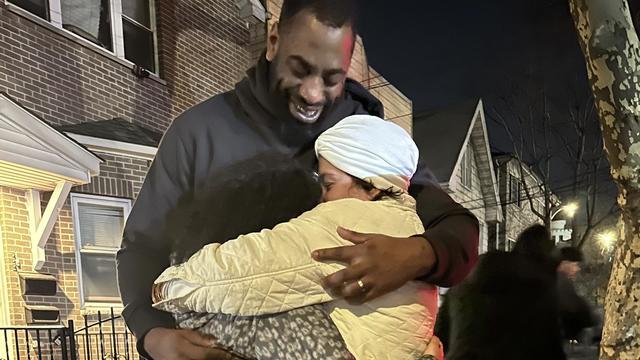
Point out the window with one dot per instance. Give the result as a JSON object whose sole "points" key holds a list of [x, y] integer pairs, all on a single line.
{"points": [[90, 19], [466, 168], [39, 8], [514, 190], [138, 33], [98, 224], [126, 28]]}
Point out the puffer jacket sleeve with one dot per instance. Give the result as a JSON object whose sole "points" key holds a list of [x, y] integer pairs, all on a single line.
{"points": [[262, 273]]}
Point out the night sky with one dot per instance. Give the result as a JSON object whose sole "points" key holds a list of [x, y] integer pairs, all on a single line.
{"points": [[440, 53], [443, 52]]}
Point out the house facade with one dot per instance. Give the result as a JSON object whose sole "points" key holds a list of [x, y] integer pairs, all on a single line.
{"points": [[86, 91], [461, 161], [521, 190]]}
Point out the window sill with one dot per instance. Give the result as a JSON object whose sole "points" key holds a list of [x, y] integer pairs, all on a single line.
{"points": [[77, 39], [104, 309]]}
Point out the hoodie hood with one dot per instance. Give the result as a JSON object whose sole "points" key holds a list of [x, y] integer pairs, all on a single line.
{"points": [[268, 110]]}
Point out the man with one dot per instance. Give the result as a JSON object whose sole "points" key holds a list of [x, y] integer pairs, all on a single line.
{"points": [[570, 259], [575, 312], [297, 90], [507, 308]]}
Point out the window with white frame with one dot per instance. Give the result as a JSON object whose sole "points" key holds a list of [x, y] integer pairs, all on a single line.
{"points": [[98, 225], [126, 28], [466, 168], [39, 8]]}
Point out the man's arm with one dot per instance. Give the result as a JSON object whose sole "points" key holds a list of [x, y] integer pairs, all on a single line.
{"points": [[445, 258], [144, 253], [451, 230]]}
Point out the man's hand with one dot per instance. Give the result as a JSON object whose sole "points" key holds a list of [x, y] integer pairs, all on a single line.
{"points": [[434, 349], [182, 344], [376, 264]]}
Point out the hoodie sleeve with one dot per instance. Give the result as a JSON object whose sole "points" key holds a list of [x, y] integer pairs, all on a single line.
{"points": [[451, 230], [144, 252]]}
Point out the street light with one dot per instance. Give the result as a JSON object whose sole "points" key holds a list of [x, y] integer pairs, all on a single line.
{"points": [[606, 240], [570, 209]]}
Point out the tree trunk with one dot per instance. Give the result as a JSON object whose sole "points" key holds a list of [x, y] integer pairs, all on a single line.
{"points": [[612, 52]]}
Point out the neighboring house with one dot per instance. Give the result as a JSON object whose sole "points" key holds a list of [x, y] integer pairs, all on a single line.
{"points": [[517, 201], [454, 145], [559, 232], [86, 93]]}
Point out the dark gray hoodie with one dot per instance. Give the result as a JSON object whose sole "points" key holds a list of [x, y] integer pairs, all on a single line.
{"points": [[253, 122]]}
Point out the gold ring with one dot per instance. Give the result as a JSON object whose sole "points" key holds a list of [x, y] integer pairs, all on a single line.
{"points": [[361, 285]]}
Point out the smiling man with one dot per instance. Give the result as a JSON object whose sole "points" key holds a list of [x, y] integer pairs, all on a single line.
{"points": [[298, 89], [305, 68]]}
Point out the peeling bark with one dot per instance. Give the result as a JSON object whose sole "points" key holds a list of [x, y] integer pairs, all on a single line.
{"points": [[612, 53]]}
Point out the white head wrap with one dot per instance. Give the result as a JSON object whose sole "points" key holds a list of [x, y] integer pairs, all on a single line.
{"points": [[371, 149]]}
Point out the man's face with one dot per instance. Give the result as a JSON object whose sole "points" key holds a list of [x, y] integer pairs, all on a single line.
{"points": [[310, 61], [569, 268]]}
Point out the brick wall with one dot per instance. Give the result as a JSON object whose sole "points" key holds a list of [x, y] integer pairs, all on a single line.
{"points": [[203, 50], [60, 249], [16, 246], [120, 176]]}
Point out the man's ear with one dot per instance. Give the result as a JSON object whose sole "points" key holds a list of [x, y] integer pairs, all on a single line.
{"points": [[273, 41]]}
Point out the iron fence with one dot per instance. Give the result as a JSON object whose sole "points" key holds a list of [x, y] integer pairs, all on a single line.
{"points": [[100, 338]]}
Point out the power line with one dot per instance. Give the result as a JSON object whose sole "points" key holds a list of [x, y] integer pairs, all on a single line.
{"points": [[532, 196], [538, 193]]}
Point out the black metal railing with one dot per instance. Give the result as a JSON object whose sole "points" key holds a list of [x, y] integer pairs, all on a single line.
{"points": [[33, 342], [100, 338]]}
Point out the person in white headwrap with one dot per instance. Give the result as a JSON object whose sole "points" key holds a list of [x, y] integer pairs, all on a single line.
{"points": [[365, 166]]}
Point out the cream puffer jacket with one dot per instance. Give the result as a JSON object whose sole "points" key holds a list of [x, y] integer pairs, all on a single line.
{"points": [[272, 271]]}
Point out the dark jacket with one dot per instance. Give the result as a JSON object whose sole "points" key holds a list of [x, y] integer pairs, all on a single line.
{"points": [[246, 124], [575, 312], [506, 309]]}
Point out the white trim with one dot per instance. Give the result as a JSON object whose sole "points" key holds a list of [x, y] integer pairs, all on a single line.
{"points": [[75, 161], [494, 181], [92, 308], [46, 222], [154, 29], [115, 147], [34, 209], [116, 27], [55, 13], [76, 199], [98, 250]]}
